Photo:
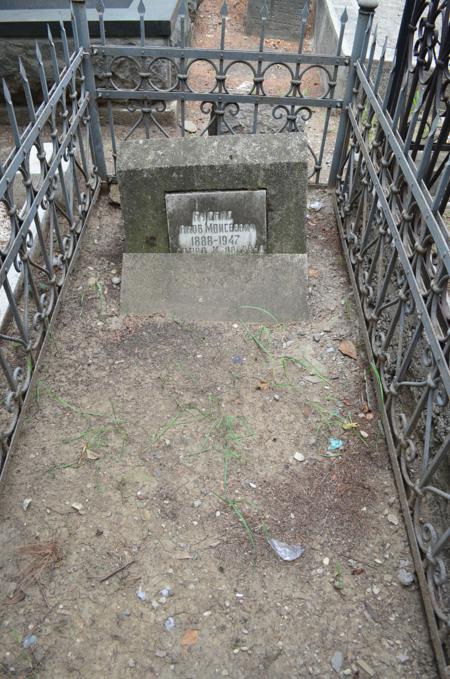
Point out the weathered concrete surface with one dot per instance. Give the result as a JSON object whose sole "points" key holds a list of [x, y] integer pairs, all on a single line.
{"points": [[215, 287], [148, 169], [283, 19], [327, 28]]}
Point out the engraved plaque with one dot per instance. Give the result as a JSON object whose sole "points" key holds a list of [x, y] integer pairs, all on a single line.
{"points": [[227, 222]]}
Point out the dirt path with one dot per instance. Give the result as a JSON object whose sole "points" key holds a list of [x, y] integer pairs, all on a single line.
{"points": [[156, 460]]}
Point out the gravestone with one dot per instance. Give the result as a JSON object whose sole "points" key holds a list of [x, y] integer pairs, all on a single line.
{"points": [[215, 226], [149, 170]]}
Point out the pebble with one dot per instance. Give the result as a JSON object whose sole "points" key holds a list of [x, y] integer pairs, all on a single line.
{"points": [[337, 661], [169, 624], [160, 654], [393, 518], [299, 457], [317, 338], [116, 280], [326, 561], [131, 663], [276, 397], [197, 503], [29, 641], [26, 503], [376, 590], [405, 577]]}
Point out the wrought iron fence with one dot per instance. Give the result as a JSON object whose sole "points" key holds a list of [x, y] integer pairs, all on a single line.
{"points": [[48, 184], [227, 91], [392, 188]]}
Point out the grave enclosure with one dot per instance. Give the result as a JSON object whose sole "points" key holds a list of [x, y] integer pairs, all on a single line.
{"points": [[214, 226]]}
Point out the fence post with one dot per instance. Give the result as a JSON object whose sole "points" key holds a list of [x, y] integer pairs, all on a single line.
{"points": [[365, 14], [82, 29]]}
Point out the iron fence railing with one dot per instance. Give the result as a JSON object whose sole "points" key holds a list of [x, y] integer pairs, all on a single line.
{"points": [[392, 185], [48, 183], [237, 91]]}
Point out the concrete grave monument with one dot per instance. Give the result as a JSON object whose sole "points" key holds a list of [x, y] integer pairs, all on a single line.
{"points": [[215, 226]]}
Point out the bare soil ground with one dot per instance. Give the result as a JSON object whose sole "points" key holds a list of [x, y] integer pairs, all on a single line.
{"points": [[155, 461]]}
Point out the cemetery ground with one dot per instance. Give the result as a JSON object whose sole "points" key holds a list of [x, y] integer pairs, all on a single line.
{"points": [[162, 455], [158, 457]]}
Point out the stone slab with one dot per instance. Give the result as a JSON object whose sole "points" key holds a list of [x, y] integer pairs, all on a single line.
{"points": [[191, 288], [147, 170], [29, 19], [388, 17], [211, 222]]}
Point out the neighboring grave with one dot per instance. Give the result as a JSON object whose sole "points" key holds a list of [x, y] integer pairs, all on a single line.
{"points": [[22, 23], [283, 20], [327, 28], [215, 226]]}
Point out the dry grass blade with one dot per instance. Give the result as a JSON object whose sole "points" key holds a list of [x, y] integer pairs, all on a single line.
{"points": [[42, 556]]}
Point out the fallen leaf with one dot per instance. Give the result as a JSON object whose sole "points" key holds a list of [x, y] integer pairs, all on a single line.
{"points": [[369, 416], [313, 273], [358, 571], [349, 425], [189, 638], [92, 456], [262, 386], [347, 348], [19, 595], [346, 402]]}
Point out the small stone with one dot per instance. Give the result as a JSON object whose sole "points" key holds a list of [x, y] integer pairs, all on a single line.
{"points": [[131, 663], [347, 672], [317, 337], [197, 503], [169, 624], [376, 590], [326, 561], [337, 661], [299, 457], [217, 513], [405, 577], [236, 651], [92, 281], [393, 518], [26, 503], [364, 434], [78, 507], [160, 654], [29, 641], [276, 397], [190, 126], [116, 280]]}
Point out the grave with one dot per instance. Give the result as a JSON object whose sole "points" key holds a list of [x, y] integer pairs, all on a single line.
{"points": [[215, 226], [22, 23]]}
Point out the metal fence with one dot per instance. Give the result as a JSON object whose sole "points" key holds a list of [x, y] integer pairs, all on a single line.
{"points": [[389, 165], [48, 184], [227, 91], [392, 186]]}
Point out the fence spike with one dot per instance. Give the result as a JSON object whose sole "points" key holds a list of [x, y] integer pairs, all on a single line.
{"points": [[100, 7], [65, 44], [42, 75], [53, 55], [11, 114], [344, 16], [183, 9], [224, 9], [264, 11], [27, 91], [141, 8], [305, 12]]}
